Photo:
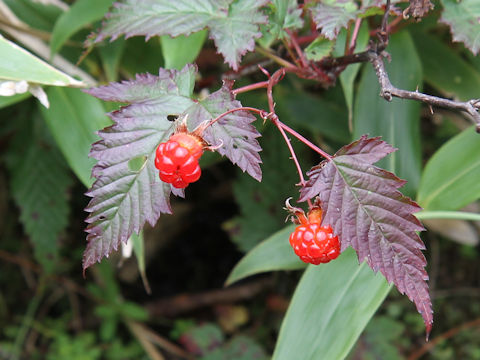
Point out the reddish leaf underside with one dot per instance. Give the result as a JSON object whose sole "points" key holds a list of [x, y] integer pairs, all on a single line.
{"points": [[367, 212], [124, 197], [234, 24]]}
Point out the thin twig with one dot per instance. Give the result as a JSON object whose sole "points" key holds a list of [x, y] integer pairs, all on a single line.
{"points": [[305, 141], [387, 91], [259, 85], [299, 51], [183, 303], [442, 337], [293, 157], [353, 40]]}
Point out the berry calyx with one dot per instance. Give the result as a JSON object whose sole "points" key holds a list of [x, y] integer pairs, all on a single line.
{"points": [[312, 242], [315, 244], [177, 159]]}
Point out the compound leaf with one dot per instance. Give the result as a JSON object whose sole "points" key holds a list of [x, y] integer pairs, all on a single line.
{"points": [[234, 133], [124, 199], [462, 17], [362, 204], [233, 24]]}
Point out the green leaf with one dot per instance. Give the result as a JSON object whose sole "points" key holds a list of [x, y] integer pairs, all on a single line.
{"points": [[330, 308], [396, 121], [80, 14], [312, 112], [451, 177], [40, 179], [73, 119], [461, 81], [138, 242], [348, 76], [319, 48], [233, 25], [34, 13], [111, 54], [10, 100], [182, 50], [274, 253], [331, 16], [462, 17], [18, 64]]}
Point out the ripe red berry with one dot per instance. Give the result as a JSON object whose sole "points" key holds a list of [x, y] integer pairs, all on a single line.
{"points": [[315, 244], [177, 160]]}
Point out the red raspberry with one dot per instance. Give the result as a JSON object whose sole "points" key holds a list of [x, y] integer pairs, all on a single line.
{"points": [[177, 160], [315, 244]]}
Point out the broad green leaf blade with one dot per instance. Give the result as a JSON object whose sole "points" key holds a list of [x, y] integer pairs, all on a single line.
{"points": [[398, 121], [18, 64], [274, 253], [312, 112], [40, 179], [10, 100], [282, 14], [462, 17], [73, 118], [111, 55], [319, 48], [348, 76], [451, 177], [233, 25], [461, 81], [330, 308], [182, 50], [138, 242], [81, 13], [124, 199]]}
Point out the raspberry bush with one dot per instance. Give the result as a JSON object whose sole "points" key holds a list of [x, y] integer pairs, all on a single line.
{"points": [[286, 91]]}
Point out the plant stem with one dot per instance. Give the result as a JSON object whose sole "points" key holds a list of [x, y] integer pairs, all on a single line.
{"points": [[274, 57], [305, 141], [461, 215], [258, 85], [294, 156], [299, 51], [28, 319]]}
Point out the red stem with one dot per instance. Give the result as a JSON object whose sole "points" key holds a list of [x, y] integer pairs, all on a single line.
{"points": [[294, 156], [258, 85], [353, 40], [305, 141], [299, 51], [245, 108]]}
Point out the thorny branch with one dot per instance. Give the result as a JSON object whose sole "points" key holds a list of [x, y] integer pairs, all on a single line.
{"points": [[375, 55]]}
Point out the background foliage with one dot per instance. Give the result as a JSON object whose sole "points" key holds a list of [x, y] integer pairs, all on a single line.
{"points": [[229, 226]]}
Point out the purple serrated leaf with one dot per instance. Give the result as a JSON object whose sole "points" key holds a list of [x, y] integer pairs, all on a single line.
{"points": [[233, 25], [234, 134], [367, 212], [124, 199]]}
